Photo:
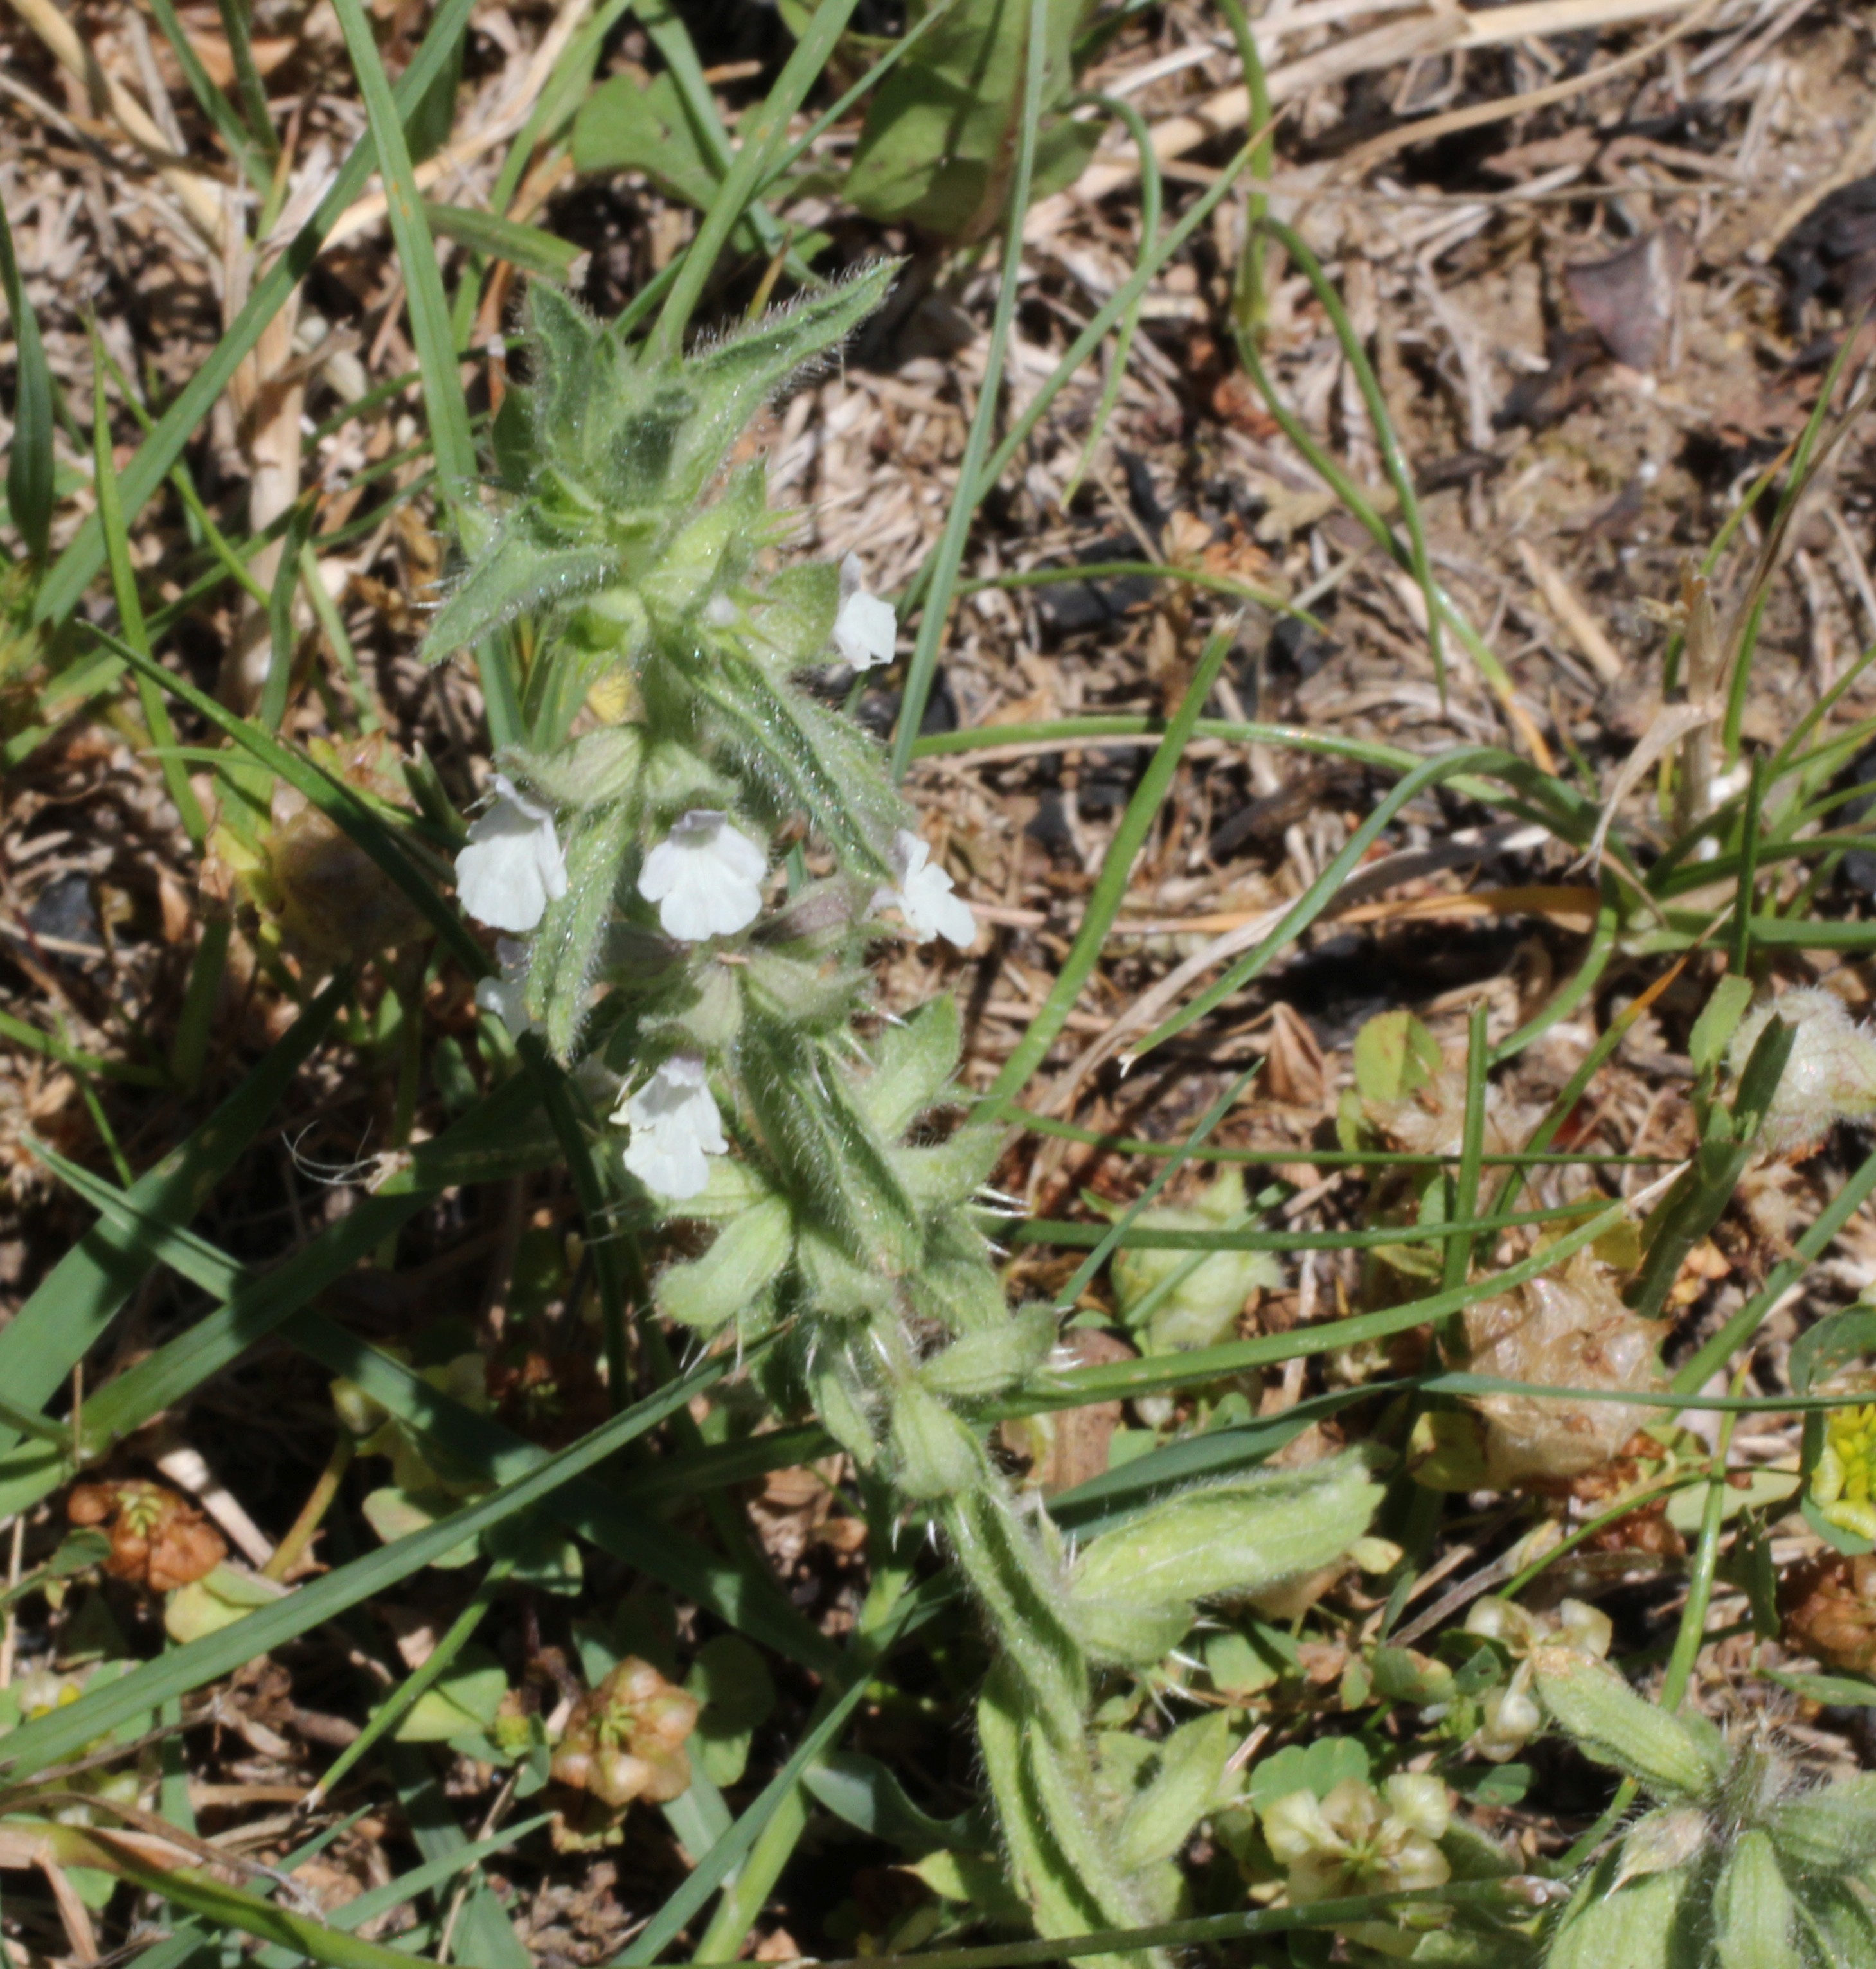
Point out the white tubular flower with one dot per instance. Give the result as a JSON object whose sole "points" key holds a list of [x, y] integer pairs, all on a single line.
{"points": [[507, 996], [513, 868], [924, 896], [704, 876], [674, 1127], [867, 626]]}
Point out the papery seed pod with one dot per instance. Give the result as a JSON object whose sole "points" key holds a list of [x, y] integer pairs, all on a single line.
{"points": [[625, 1739], [1431, 1120], [1567, 1329], [1658, 1840], [1830, 1077], [1510, 1717], [1610, 1724]]}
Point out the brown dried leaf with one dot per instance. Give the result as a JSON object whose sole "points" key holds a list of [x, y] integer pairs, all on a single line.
{"points": [[1630, 297]]}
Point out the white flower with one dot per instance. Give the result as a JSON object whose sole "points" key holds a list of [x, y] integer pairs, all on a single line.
{"points": [[507, 996], [704, 876], [675, 1125], [513, 867], [865, 629], [923, 896]]}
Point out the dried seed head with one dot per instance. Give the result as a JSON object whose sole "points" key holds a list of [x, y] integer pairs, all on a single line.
{"points": [[1830, 1077], [156, 1540], [625, 1739], [1568, 1329], [1830, 1607]]}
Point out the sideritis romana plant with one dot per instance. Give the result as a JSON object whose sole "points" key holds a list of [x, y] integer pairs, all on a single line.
{"points": [[1736, 1865], [631, 856]]}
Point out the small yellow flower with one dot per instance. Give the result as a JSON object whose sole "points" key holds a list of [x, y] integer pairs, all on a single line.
{"points": [[1841, 1483]]}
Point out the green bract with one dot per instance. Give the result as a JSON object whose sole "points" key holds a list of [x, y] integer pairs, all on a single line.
{"points": [[1738, 1866]]}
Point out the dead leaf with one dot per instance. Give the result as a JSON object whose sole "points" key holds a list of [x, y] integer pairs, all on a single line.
{"points": [[1630, 297]]}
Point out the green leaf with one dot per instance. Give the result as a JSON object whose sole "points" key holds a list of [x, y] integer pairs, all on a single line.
{"points": [[526, 567], [629, 125], [207, 1605], [864, 1792], [1182, 1790], [938, 147], [1317, 1767], [1395, 1056], [732, 1680], [1719, 1019], [466, 1698], [1834, 1690]]}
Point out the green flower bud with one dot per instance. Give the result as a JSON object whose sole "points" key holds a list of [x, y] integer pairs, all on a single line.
{"points": [[987, 1362], [1612, 1724], [1753, 1912], [913, 1066], [614, 622], [731, 1277], [594, 770], [1135, 1583], [934, 1453]]}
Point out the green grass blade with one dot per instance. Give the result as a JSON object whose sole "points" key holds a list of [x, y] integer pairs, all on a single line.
{"points": [[948, 557], [763, 135], [49, 1739], [1124, 298], [746, 1600], [1109, 891], [255, 161], [337, 801], [129, 609], [528, 247], [75, 568], [30, 462], [48, 1046], [430, 333], [71, 1308]]}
